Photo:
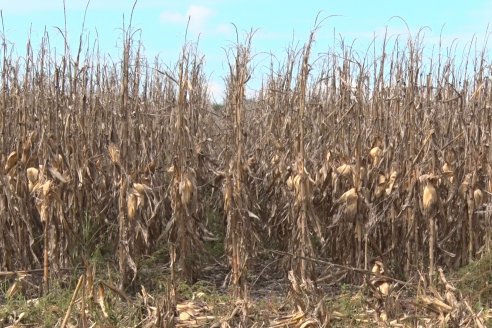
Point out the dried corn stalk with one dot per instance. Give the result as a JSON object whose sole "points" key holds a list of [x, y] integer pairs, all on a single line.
{"points": [[240, 238], [184, 228], [430, 201]]}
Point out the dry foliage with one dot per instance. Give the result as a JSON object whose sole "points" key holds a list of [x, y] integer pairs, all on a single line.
{"points": [[336, 157]]}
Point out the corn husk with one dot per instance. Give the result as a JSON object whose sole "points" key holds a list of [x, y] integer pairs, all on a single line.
{"points": [[378, 268], [275, 159], [465, 186], [344, 170], [114, 153], [380, 187], [101, 300], [11, 161], [429, 198], [43, 210], [290, 183], [31, 186], [391, 182], [376, 153], [141, 188], [384, 288], [448, 172], [227, 195], [132, 205], [350, 197], [322, 175], [54, 172], [185, 190], [478, 197], [26, 147], [32, 175], [58, 162], [296, 183], [46, 187]]}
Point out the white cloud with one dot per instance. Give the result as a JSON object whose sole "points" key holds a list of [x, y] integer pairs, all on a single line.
{"points": [[172, 17], [225, 29], [217, 90], [198, 16]]}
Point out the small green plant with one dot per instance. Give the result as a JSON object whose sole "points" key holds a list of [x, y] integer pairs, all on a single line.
{"points": [[45, 311]]}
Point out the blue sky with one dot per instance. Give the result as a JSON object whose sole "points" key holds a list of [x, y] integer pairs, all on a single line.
{"points": [[278, 23]]}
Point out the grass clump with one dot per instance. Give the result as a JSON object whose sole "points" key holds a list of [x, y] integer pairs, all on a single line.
{"points": [[44, 311], [475, 281]]}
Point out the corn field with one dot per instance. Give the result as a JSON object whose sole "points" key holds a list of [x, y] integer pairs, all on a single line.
{"points": [[348, 159]]}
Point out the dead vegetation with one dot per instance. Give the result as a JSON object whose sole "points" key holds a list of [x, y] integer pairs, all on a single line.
{"points": [[371, 172]]}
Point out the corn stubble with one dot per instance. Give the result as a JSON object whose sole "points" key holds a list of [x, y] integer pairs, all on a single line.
{"points": [[387, 158]]}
